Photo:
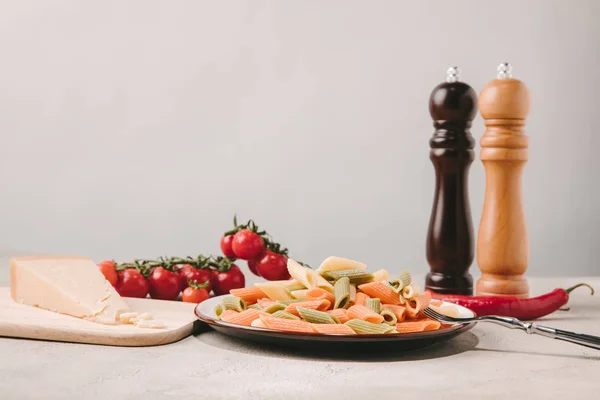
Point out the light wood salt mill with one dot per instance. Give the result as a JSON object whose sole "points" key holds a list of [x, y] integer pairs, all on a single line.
{"points": [[502, 243]]}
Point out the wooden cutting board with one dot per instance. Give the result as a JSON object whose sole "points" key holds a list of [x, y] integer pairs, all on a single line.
{"points": [[18, 320]]}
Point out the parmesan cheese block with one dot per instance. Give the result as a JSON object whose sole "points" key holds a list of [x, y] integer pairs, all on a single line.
{"points": [[67, 285]]}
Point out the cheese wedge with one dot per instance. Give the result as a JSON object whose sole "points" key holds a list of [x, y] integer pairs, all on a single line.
{"points": [[67, 285]]}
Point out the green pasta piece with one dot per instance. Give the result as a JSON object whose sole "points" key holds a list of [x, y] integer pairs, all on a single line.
{"points": [[275, 307], [341, 291], [366, 328], [317, 317], [403, 280], [357, 276], [234, 303], [256, 307], [288, 302], [374, 304], [284, 315], [389, 317], [292, 288], [219, 310]]}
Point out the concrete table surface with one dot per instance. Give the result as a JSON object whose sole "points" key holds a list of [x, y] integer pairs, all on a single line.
{"points": [[488, 362]]}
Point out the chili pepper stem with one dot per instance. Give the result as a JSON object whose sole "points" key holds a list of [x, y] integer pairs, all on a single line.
{"points": [[569, 290]]}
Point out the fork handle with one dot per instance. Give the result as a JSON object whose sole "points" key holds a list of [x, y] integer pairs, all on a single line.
{"points": [[567, 336]]}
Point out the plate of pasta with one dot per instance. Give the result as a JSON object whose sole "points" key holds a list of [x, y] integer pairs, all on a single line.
{"points": [[339, 302]]}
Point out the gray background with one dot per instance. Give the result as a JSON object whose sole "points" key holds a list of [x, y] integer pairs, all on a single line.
{"points": [[137, 128]]}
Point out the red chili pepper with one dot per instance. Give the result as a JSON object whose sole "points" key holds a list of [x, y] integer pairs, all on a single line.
{"points": [[512, 306]]}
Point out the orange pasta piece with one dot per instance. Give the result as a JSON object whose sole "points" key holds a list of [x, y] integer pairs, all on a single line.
{"points": [[319, 305], [265, 302], [364, 313], [250, 294], [244, 318], [399, 311], [361, 298], [381, 291], [333, 329], [319, 294], [416, 304], [228, 314], [341, 314], [288, 325], [417, 326]]}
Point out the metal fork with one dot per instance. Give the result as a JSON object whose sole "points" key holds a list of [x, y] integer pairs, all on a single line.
{"points": [[529, 327]]}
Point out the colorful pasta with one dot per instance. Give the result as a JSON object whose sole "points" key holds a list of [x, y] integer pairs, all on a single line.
{"points": [[373, 304], [319, 305], [367, 328], [364, 313], [339, 298], [381, 291], [284, 315], [333, 329], [250, 295], [317, 317], [389, 317], [340, 314], [234, 303], [341, 289], [287, 325], [355, 275], [403, 280]]}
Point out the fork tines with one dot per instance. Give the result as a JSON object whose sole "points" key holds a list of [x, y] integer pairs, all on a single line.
{"points": [[440, 317]]}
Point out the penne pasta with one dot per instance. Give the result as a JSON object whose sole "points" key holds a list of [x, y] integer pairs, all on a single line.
{"points": [[293, 288], [242, 318], [403, 280], [275, 290], [352, 292], [381, 275], [411, 291], [381, 291], [339, 263], [399, 311], [234, 303], [374, 305], [389, 317], [287, 325], [274, 307], [299, 294], [256, 307], [356, 276], [415, 305], [361, 299], [227, 314], [319, 305], [333, 329], [364, 313], [299, 273], [317, 317], [340, 314], [322, 283], [320, 293], [341, 289], [417, 326], [257, 323], [284, 315], [250, 294], [265, 302], [365, 328]]}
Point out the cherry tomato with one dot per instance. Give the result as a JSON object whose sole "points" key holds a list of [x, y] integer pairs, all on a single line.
{"points": [[252, 266], [194, 295], [272, 266], [247, 245], [131, 283], [191, 273], [164, 284], [226, 246], [223, 282], [108, 270]]}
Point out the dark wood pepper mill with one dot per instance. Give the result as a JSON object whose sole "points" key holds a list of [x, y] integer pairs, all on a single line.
{"points": [[450, 244]]}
